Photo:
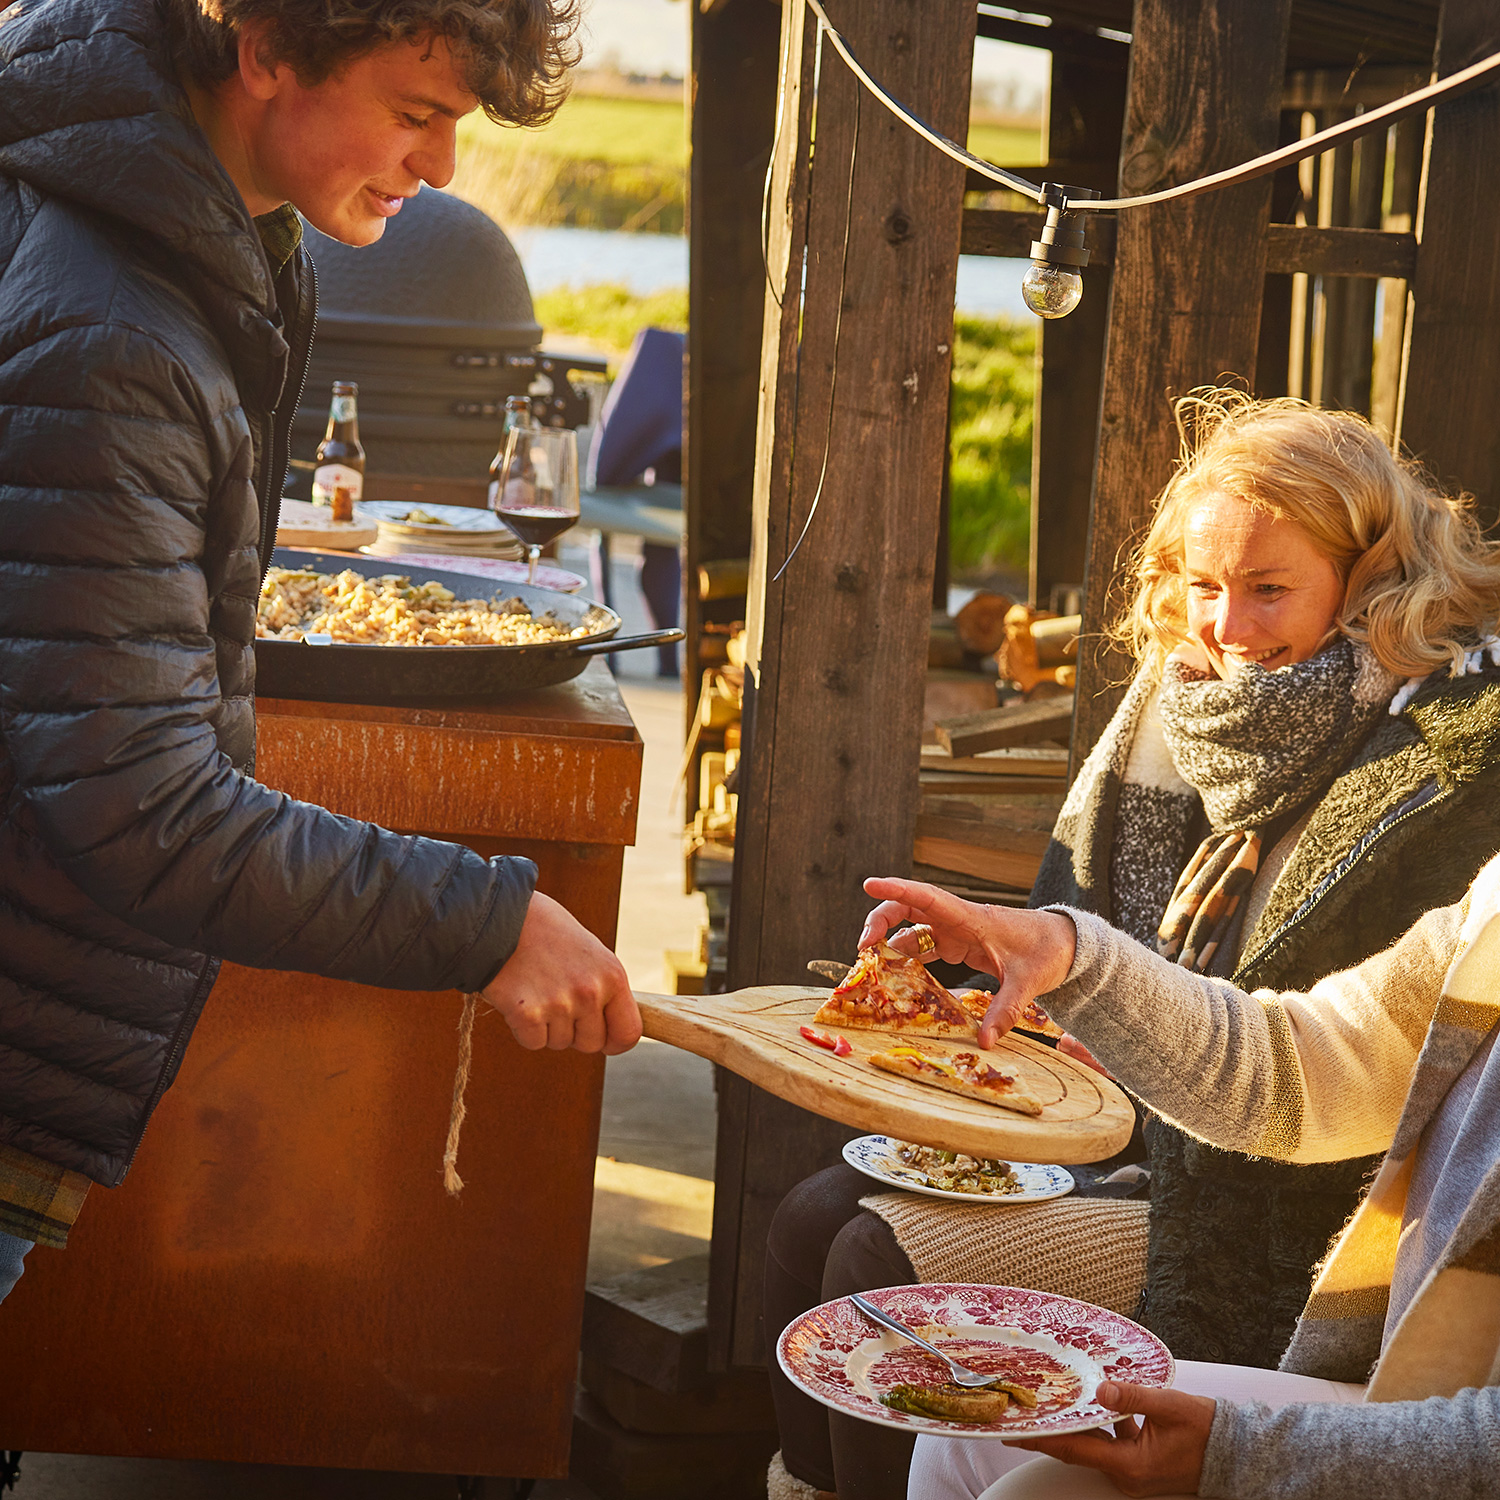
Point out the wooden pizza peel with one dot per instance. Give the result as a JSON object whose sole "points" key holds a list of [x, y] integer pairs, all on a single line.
{"points": [[755, 1033]]}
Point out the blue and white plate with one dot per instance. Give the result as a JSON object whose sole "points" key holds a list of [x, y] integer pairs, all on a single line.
{"points": [[875, 1156]]}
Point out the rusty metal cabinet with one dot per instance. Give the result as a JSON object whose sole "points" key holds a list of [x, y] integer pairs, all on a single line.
{"points": [[282, 1279]]}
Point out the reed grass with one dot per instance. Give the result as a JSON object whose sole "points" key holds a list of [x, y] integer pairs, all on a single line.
{"points": [[603, 163], [613, 163]]}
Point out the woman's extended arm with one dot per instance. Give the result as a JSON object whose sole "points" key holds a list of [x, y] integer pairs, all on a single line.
{"points": [[1403, 1450], [1315, 1077], [1247, 1450]]}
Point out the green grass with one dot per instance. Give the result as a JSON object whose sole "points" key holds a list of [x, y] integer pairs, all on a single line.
{"points": [[989, 481], [591, 127], [610, 315], [1006, 146], [994, 381]]}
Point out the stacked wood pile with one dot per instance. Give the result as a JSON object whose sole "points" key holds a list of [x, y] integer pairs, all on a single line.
{"points": [[993, 782], [960, 664], [987, 809], [709, 770]]}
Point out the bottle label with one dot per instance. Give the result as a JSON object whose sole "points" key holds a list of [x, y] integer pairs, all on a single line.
{"points": [[330, 477], [342, 409]]}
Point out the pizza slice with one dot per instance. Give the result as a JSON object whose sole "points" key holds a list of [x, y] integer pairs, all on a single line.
{"points": [[887, 991], [1033, 1019], [963, 1073]]}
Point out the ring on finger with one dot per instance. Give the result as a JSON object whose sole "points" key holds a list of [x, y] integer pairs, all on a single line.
{"points": [[926, 943]]}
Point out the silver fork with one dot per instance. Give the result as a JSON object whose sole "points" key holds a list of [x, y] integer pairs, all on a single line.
{"points": [[962, 1374]]}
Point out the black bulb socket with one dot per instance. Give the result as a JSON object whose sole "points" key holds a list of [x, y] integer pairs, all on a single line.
{"points": [[1061, 243]]}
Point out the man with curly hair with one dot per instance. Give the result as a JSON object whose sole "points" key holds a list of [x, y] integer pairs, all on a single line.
{"points": [[156, 308]]}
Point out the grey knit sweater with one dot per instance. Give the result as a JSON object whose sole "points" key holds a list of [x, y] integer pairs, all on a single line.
{"points": [[1333, 1073]]}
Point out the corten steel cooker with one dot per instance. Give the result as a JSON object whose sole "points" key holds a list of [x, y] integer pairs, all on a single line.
{"points": [[341, 673]]}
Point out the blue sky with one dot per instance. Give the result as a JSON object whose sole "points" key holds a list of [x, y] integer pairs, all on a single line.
{"points": [[650, 36]]}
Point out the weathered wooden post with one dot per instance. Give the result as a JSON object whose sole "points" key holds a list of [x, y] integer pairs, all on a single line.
{"points": [[732, 112], [1205, 94], [853, 403], [1447, 413]]}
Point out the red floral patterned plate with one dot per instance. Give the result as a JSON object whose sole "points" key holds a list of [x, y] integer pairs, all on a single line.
{"points": [[1061, 1347]]}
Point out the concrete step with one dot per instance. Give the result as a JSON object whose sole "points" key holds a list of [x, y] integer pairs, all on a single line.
{"points": [[622, 1465], [739, 1401], [652, 1325]]}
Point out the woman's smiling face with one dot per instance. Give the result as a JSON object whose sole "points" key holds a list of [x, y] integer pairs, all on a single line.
{"points": [[1258, 589]]}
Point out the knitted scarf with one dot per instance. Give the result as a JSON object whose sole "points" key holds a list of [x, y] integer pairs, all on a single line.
{"points": [[1238, 754], [1257, 745]]}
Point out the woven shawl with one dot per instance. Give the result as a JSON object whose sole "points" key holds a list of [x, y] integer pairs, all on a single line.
{"points": [[1449, 1336]]}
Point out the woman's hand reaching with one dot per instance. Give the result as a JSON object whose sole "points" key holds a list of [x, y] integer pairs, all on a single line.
{"points": [[1030, 952]]}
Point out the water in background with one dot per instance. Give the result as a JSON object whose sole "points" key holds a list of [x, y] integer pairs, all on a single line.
{"points": [[648, 263]]}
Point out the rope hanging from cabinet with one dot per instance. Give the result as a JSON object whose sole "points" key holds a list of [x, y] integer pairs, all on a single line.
{"points": [[451, 1180]]}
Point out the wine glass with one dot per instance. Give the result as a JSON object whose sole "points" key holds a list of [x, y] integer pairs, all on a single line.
{"points": [[537, 492]]}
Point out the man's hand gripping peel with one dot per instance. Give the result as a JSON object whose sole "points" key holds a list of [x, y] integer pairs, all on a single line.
{"points": [[563, 988]]}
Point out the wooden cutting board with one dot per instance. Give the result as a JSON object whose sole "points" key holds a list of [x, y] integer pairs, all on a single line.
{"points": [[304, 525], [755, 1033]]}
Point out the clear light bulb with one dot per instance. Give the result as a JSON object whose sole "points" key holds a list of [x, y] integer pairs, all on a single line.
{"points": [[1051, 291]]}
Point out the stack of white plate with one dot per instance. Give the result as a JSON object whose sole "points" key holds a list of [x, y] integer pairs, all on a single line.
{"points": [[455, 530]]}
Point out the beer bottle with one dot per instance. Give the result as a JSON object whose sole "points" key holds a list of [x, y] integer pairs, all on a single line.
{"points": [[339, 478], [517, 414]]}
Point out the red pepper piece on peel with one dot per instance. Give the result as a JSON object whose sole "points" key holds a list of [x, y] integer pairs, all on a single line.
{"points": [[841, 1047], [820, 1038]]}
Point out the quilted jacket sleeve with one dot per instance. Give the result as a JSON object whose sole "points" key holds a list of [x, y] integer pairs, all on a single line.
{"points": [[112, 634]]}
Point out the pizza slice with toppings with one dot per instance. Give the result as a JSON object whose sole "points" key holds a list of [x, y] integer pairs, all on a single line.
{"points": [[963, 1073], [888, 991], [1033, 1019]]}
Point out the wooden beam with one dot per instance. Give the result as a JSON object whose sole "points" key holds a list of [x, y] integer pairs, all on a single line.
{"points": [[1338, 252], [1205, 90], [856, 364], [1406, 174], [1324, 88], [754, 1127], [1289, 247], [1009, 232], [1273, 355], [1447, 416], [1010, 726], [732, 108]]}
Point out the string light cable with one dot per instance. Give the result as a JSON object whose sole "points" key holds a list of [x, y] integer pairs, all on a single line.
{"points": [[838, 326], [1053, 287], [1059, 254], [932, 137]]}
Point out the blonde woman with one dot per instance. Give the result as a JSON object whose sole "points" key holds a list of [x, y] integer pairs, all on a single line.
{"points": [[1307, 760]]}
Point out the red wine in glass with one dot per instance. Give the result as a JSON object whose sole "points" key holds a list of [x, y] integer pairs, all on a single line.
{"points": [[535, 489], [536, 525]]}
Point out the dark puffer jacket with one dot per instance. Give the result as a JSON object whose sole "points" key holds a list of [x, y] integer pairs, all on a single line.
{"points": [[149, 369]]}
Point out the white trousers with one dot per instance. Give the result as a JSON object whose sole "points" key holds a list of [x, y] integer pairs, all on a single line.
{"points": [[963, 1469]]}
